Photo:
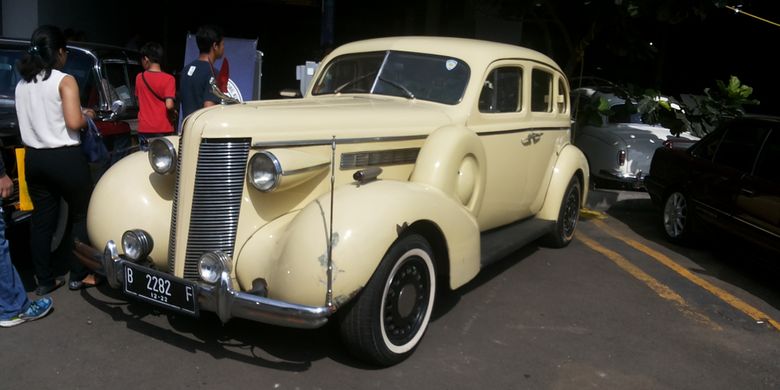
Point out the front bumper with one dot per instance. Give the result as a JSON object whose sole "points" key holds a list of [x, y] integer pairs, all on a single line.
{"points": [[219, 298]]}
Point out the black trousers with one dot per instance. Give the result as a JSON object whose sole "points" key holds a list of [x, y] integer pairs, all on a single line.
{"points": [[54, 174]]}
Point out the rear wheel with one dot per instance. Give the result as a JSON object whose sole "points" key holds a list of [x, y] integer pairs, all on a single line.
{"points": [[676, 217], [386, 322], [568, 216]]}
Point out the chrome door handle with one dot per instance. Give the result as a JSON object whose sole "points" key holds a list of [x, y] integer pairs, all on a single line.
{"points": [[532, 138]]}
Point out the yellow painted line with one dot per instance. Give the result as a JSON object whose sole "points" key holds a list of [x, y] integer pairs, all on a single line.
{"points": [[724, 295], [586, 214], [659, 288]]}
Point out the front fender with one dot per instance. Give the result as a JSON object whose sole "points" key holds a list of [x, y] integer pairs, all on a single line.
{"points": [[571, 161], [130, 195], [291, 255]]}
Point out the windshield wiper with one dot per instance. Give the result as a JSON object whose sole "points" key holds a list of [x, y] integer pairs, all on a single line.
{"points": [[408, 93], [353, 81]]}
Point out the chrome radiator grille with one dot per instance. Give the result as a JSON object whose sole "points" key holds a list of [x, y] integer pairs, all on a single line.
{"points": [[216, 202], [172, 236]]}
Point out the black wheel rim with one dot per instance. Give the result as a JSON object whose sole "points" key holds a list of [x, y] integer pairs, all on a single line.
{"points": [[407, 301], [571, 213]]}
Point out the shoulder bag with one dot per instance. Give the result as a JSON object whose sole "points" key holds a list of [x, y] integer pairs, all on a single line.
{"points": [[92, 143]]}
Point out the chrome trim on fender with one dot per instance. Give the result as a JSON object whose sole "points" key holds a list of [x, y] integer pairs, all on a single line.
{"points": [[220, 297]]}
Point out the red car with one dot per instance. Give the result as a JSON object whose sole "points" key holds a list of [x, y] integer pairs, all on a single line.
{"points": [[730, 180]]}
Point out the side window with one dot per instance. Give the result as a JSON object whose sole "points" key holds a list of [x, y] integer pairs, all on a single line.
{"points": [[740, 147], [541, 91], [705, 149], [501, 91], [563, 96], [769, 160]]}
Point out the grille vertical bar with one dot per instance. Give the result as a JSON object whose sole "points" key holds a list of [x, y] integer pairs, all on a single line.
{"points": [[172, 236], [216, 202]]}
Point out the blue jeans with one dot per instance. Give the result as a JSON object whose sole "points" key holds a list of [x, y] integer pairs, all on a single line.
{"points": [[13, 298]]}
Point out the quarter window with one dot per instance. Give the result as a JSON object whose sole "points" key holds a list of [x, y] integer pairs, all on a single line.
{"points": [[563, 95], [502, 90], [541, 91]]}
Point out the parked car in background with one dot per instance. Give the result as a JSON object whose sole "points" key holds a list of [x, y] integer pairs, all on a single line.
{"points": [[408, 165], [619, 145], [105, 75], [730, 180]]}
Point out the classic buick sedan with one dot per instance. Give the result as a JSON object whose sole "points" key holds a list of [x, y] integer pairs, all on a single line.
{"points": [[409, 165]]}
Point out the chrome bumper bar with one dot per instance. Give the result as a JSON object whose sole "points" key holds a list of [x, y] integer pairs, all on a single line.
{"points": [[219, 298]]}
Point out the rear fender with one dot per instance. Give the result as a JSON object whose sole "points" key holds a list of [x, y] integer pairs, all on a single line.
{"points": [[570, 162]]}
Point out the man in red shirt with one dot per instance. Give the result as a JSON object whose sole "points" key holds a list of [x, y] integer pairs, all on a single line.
{"points": [[156, 92]]}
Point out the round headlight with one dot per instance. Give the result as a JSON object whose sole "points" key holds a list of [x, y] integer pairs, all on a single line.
{"points": [[211, 266], [264, 171], [162, 156], [137, 244]]}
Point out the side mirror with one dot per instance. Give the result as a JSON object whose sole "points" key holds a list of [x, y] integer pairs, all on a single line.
{"points": [[225, 99], [290, 93]]}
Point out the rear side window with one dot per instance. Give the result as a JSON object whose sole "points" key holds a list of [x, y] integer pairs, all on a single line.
{"points": [[563, 96], [740, 146], [768, 166], [501, 91], [541, 91]]}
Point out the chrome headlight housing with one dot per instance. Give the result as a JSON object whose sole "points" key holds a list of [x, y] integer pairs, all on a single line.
{"points": [[162, 156], [137, 244], [211, 266], [264, 171]]}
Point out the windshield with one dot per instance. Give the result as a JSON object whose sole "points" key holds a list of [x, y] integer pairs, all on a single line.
{"points": [[410, 75]]}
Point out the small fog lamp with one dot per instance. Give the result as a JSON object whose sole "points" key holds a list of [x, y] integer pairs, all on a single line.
{"points": [[211, 266], [137, 244]]}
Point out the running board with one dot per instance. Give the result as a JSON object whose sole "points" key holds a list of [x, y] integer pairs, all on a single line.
{"points": [[500, 242]]}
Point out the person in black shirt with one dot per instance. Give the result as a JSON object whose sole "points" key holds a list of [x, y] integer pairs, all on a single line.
{"points": [[196, 77]]}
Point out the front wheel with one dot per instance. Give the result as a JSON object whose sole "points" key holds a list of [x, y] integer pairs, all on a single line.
{"points": [[676, 217], [568, 216], [390, 316]]}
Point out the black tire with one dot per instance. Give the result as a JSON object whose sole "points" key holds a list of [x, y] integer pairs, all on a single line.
{"points": [[388, 319], [569, 214], [676, 217]]}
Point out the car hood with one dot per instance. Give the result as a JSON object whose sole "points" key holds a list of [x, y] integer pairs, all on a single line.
{"points": [[319, 118]]}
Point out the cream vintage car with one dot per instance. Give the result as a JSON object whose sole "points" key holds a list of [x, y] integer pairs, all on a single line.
{"points": [[410, 164]]}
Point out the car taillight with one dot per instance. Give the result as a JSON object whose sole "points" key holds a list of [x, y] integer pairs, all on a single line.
{"points": [[621, 157], [668, 144]]}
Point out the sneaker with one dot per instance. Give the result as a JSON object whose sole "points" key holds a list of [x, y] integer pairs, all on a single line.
{"points": [[13, 321], [38, 309]]}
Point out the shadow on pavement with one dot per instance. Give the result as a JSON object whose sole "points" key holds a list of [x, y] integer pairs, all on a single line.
{"points": [[241, 340], [717, 254]]}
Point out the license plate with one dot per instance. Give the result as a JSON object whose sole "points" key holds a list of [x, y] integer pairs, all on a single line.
{"points": [[161, 289]]}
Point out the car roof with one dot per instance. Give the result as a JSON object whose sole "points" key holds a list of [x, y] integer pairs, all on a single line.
{"points": [[99, 49], [475, 52]]}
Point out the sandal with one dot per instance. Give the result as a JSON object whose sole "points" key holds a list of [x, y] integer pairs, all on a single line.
{"points": [[43, 289], [90, 280]]}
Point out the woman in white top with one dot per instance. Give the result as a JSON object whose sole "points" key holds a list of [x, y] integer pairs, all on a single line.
{"points": [[50, 118]]}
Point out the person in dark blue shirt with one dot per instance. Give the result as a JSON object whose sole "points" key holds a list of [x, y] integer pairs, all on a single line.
{"points": [[196, 77]]}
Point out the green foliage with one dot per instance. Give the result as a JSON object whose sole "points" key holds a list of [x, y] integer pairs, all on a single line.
{"points": [[704, 112]]}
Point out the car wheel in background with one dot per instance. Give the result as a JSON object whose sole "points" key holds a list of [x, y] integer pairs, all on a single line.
{"points": [[390, 316], [676, 217], [568, 216]]}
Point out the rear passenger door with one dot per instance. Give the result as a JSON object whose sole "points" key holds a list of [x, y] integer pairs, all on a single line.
{"points": [[757, 203]]}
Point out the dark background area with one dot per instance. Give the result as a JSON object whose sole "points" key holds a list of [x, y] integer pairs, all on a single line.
{"points": [[674, 46]]}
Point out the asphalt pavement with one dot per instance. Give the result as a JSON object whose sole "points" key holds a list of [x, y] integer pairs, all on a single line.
{"points": [[619, 308]]}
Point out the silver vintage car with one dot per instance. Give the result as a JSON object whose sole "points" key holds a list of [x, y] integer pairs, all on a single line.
{"points": [[410, 164]]}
